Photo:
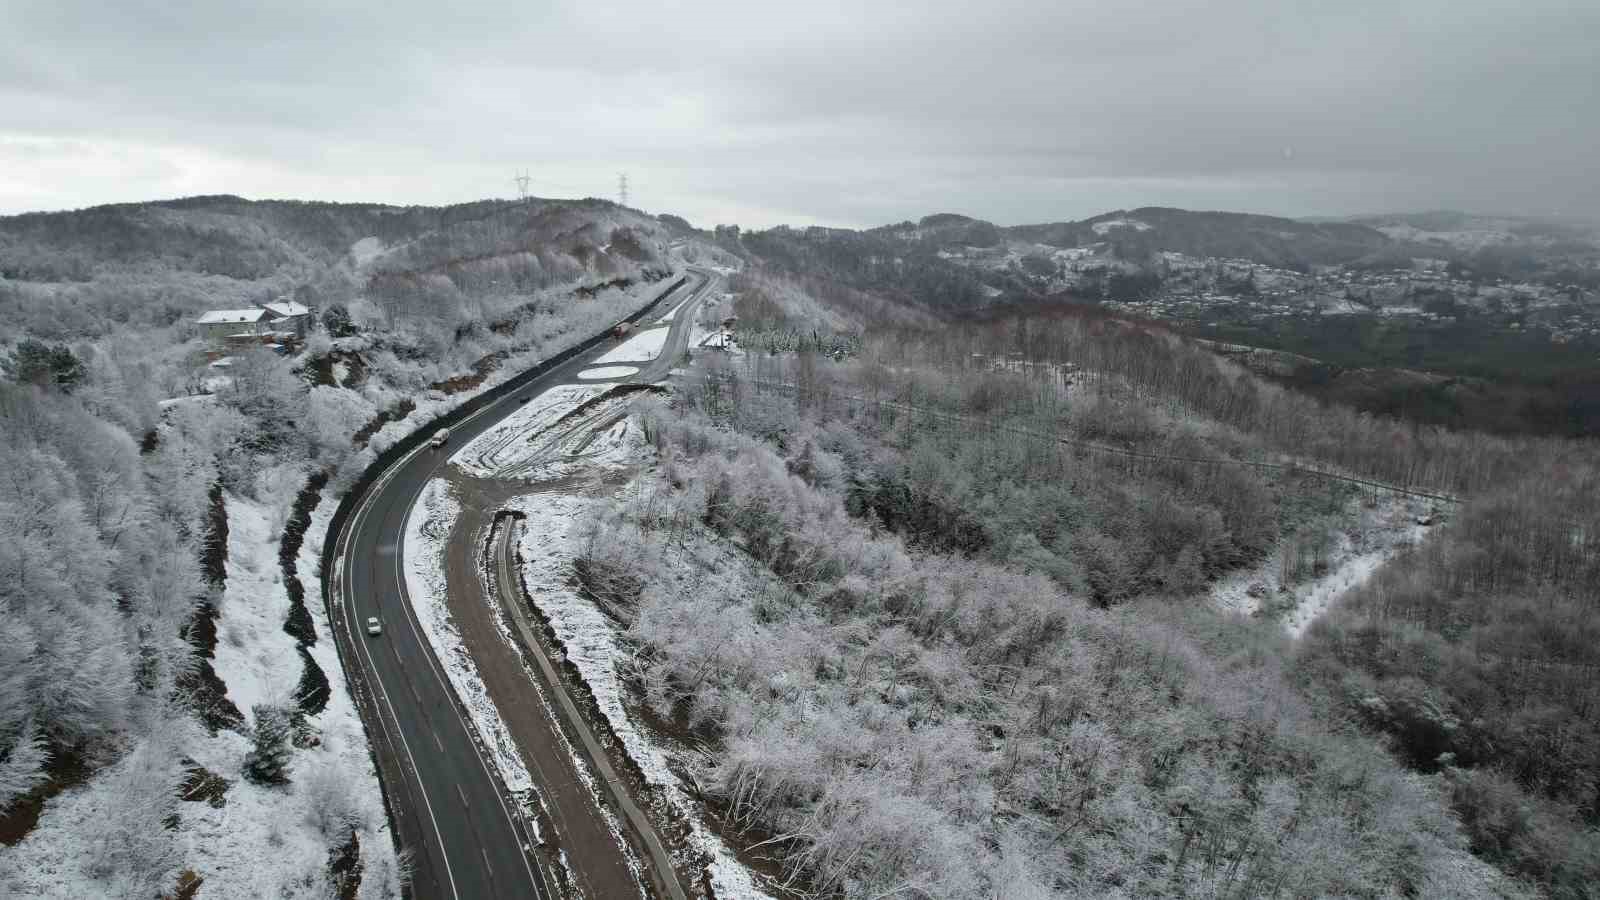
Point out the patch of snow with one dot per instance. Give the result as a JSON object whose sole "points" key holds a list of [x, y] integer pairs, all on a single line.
{"points": [[366, 250], [192, 398], [255, 656], [642, 347], [1102, 228], [514, 440], [1376, 535], [608, 372]]}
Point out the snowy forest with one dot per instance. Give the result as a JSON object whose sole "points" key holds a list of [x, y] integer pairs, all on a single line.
{"points": [[951, 629], [1038, 603], [168, 706]]}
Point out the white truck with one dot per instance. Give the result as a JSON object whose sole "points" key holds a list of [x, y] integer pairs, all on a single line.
{"points": [[440, 439]]}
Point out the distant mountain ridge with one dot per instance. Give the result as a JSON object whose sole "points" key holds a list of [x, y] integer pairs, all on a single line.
{"points": [[165, 261], [1132, 234], [249, 239]]}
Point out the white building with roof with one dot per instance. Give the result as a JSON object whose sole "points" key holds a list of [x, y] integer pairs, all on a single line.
{"points": [[281, 316], [218, 325]]}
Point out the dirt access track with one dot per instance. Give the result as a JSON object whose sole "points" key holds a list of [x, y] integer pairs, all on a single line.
{"points": [[572, 819], [590, 815]]}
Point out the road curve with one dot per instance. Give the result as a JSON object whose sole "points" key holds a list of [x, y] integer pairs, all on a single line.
{"points": [[448, 804]]}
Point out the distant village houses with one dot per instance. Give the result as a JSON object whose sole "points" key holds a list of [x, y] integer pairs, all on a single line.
{"points": [[281, 318]]}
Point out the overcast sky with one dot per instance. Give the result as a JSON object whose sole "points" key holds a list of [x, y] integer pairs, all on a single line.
{"points": [[855, 113]]}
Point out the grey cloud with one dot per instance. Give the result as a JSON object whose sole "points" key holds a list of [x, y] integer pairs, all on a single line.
{"points": [[843, 113]]}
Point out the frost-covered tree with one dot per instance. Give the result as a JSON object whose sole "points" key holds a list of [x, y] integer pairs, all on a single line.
{"points": [[337, 322], [21, 762], [130, 850], [331, 807]]}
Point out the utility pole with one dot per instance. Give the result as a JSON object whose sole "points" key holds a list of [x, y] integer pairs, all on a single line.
{"points": [[622, 188], [522, 180]]}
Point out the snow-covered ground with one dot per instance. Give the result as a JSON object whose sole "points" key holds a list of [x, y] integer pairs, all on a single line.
{"points": [[642, 347], [255, 656], [608, 372], [427, 529], [366, 250], [191, 398], [551, 436], [548, 541], [1102, 228], [262, 841], [1376, 534]]}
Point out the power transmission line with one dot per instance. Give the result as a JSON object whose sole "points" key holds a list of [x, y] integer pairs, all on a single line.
{"points": [[622, 188], [523, 179]]}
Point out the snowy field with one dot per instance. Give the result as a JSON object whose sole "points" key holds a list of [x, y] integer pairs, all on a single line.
{"points": [[548, 542], [571, 429], [642, 347], [489, 452], [1378, 533]]}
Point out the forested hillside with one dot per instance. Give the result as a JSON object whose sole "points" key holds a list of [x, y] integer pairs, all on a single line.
{"points": [[173, 715], [930, 603], [978, 562]]}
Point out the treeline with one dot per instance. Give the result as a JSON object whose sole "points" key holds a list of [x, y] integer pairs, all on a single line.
{"points": [[975, 467], [1156, 369]]}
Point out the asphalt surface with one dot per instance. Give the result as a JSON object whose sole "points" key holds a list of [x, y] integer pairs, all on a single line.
{"points": [[469, 838]]}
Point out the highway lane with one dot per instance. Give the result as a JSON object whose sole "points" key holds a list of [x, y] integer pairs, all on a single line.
{"points": [[449, 805]]}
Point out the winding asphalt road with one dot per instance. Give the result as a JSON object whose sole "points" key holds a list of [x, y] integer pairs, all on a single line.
{"points": [[470, 837]]}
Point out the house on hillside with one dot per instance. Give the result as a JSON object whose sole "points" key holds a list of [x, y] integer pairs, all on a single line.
{"points": [[219, 325], [282, 317], [289, 316]]}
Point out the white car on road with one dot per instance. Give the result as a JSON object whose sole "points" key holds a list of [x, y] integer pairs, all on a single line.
{"points": [[374, 627], [440, 439]]}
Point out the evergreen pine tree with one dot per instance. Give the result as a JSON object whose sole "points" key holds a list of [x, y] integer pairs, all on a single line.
{"points": [[269, 762]]}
